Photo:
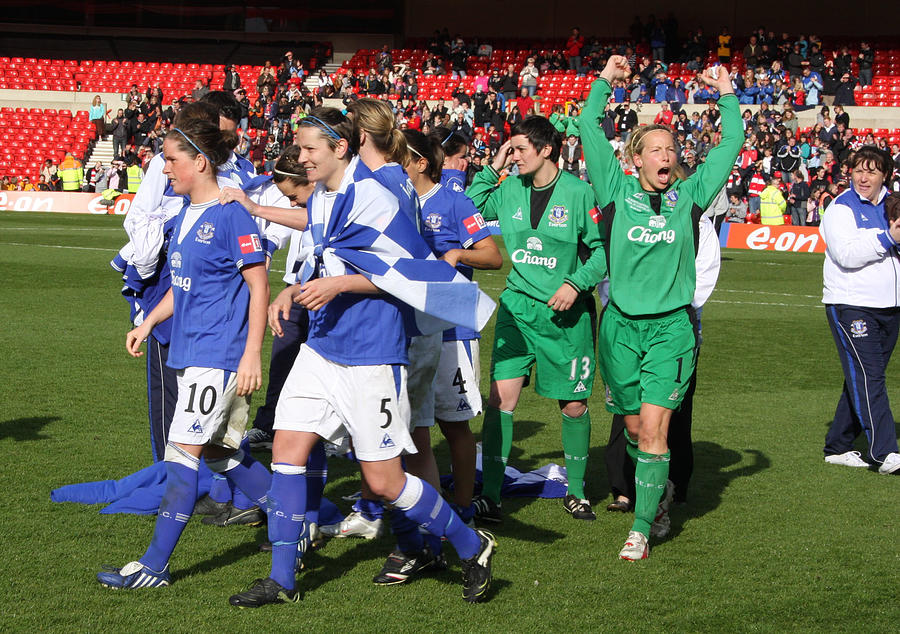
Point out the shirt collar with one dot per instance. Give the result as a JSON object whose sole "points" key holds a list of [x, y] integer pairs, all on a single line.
{"points": [[884, 192]]}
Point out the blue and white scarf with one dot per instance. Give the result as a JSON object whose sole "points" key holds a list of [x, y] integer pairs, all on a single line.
{"points": [[367, 234]]}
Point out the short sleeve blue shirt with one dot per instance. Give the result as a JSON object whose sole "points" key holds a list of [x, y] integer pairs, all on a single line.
{"points": [[210, 322]]}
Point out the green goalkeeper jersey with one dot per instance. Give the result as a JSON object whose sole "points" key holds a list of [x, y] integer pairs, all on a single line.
{"points": [[651, 237], [563, 245]]}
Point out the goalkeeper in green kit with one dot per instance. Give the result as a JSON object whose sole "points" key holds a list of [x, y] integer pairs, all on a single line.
{"points": [[647, 338], [546, 318]]}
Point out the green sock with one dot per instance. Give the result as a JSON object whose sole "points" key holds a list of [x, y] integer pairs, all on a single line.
{"points": [[496, 443], [630, 447], [650, 475], [576, 440]]}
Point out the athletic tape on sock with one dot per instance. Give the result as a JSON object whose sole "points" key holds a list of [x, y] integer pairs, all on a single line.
{"points": [[411, 493], [288, 469], [176, 454]]}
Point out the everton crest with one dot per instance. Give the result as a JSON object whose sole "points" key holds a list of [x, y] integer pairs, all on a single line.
{"points": [[206, 231], [433, 221], [559, 215]]}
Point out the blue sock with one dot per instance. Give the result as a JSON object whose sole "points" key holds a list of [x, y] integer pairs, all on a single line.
{"points": [[436, 544], [465, 513], [371, 509], [316, 476], [424, 505], [287, 505], [246, 473], [174, 510], [238, 499], [409, 539], [241, 501], [219, 490]]}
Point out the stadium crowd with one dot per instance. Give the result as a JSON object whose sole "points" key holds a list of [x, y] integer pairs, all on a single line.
{"points": [[782, 73], [586, 199]]}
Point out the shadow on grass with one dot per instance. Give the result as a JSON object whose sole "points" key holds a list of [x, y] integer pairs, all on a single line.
{"points": [[712, 475], [246, 549], [21, 429], [517, 529], [522, 430], [319, 569]]}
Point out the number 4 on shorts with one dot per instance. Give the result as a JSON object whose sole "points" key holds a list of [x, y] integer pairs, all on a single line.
{"points": [[459, 381]]}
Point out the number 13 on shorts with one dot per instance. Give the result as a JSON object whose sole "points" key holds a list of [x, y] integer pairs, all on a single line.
{"points": [[580, 370]]}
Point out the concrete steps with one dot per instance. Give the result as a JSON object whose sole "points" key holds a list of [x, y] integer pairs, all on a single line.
{"points": [[103, 152]]}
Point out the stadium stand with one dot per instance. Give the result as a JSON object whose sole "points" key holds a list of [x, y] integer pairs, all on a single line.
{"points": [[29, 136], [24, 150]]}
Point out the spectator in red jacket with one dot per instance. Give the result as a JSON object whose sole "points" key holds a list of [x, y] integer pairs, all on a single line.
{"points": [[573, 50], [664, 116]]}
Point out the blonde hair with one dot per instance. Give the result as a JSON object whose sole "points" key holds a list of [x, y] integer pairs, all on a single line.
{"points": [[636, 146], [377, 119]]}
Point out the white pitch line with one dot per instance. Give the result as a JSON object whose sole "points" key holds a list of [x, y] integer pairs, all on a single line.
{"points": [[728, 290], [726, 301]]}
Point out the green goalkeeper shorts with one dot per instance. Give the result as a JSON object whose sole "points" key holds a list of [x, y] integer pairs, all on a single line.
{"points": [[559, 344], [646, 360]]}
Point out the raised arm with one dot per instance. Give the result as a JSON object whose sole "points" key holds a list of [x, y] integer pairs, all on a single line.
{"points": [[713, 173], [606, 175]]}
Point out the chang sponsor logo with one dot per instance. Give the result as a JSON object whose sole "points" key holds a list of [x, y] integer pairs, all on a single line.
{"points": [[523, 256], [643, 234], [182, 282]]}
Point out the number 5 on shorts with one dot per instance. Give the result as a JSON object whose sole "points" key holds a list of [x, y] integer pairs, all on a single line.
{"points": [[386, 412]]}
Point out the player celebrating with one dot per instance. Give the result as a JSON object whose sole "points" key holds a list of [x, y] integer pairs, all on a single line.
{"points": [[546, 316], [382, 148], [647, 333], [454, 230], [217, 302], [349, 377]]}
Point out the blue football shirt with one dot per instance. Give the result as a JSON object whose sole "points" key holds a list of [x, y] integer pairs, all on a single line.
{"points": [[210, 322]]}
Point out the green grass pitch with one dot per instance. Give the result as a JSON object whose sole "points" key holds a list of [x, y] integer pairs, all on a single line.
{"points": [[772, 539]]}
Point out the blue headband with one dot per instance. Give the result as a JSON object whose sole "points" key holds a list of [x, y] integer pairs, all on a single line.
{"points": [[446, 139], [324, 127], [188, 139]]}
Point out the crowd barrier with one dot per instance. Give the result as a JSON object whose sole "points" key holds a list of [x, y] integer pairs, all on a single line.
{"points": [[771, 238], [63, 202]]}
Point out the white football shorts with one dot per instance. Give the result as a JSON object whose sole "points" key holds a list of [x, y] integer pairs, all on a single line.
{"points": [[208, 409], [457, 382], [367, 402], [424, 355]]}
